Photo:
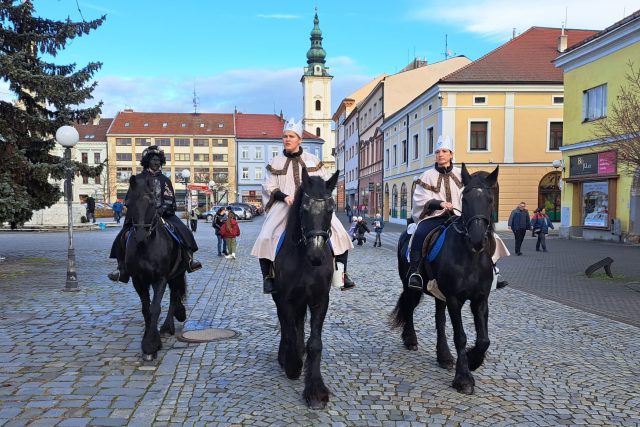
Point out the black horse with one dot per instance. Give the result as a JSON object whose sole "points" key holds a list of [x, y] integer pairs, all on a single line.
{"points": [[463, 271], [303, 269], [153, 258]]}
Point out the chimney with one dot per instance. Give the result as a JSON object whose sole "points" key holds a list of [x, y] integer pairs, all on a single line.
{"points": [[562, 42]]}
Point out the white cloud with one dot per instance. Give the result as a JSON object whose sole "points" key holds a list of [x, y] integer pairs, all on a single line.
{"points": [[495, 19], [278, 16]]}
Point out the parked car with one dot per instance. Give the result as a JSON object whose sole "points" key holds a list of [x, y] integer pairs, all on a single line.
{"points": [[208, 215], [252, 208], [241, 212]]}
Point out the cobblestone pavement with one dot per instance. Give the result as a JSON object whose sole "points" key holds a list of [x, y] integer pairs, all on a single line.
{"points": [[73, 359]]}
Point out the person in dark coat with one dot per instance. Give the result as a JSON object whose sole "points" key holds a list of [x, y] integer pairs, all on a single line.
{"points": [[540, 225], [152, 160], [218, 220], [91, 209], [519, 223]]}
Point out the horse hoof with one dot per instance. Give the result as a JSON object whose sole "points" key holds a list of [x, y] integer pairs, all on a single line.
{"points": [[149, 357], [316, 404], [446, 364], [464, 387], [412, 347]]}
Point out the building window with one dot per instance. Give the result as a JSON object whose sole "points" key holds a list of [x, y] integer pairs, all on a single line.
{"points": [[183, 125], [85, 179], [479, 100], [386, 158], [181, 142], [146, 125], [555, 135], [164, 125], [168, 157], [143, 141], [274, 152], [123, 141], [395, 155], [558, 100], [126, 124], [404, 151], [415, 147], [163, 142], [97, 180], [96, 158], [221, 174], [258, 173], [123, 174], [429, 141], [220, 125], [200, 142], [318, 105], [594, 103], [245, 173], [182, 157], [478, 136], [85, 158], [222, 142], [595, 204], [219, 158], [201, 175], [124, 157], [317, 131], [200, 157], [244, 153], [258, 153]]}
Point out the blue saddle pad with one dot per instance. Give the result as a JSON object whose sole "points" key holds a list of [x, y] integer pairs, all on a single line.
{"points": [[435, 250], [172, 232]]}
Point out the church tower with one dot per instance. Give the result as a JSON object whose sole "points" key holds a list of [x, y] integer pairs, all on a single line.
{"points": [[316, 96]]}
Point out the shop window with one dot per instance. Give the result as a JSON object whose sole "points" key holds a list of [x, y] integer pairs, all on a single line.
{"points": [[549, 194], [595, 204]]}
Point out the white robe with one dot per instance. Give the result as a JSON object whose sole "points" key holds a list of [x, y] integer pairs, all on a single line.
{"points": [[277, 178]]}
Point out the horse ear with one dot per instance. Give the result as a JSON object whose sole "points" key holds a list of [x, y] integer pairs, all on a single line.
{"points": [[493, 177], [331, 183], [465, 175], [132, 181]]}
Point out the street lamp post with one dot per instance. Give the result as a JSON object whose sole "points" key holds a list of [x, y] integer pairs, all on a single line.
{"points": [[67, 136], [186, 173], [212, 188]]}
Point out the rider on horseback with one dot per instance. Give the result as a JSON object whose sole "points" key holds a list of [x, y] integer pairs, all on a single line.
{"points": [[438, 192], [152, 160], [282, 181]]}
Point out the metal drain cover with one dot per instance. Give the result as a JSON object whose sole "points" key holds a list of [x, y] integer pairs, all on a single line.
{"points": [[206, 335]]}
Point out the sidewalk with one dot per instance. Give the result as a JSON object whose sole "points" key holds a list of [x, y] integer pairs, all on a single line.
{"points": [[559, 275]]}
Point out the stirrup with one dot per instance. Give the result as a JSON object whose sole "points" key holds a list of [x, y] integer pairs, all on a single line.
{"points": [[415, 286], [193, 266]]}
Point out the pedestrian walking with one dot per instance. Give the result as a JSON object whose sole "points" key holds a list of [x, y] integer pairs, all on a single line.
{"points": [[540, 225], [218, 220], [117, 210], [519, 223], [91, 209], [349, 212], [193, 219], [229, 231], [378, 225]]}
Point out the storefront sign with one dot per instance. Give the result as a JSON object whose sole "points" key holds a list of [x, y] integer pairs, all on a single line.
{"points": [[593, 164]]}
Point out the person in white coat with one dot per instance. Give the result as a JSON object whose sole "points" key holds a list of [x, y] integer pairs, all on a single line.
{"points": [[282, 180], [438, 192]]}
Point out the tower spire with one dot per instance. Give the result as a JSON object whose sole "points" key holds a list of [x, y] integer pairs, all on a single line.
{"points": [[316, 54]]}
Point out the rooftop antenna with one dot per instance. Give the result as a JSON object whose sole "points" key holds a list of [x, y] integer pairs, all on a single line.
{"points": [[195, 99], [513, 34], [447, 52], [566, 14]]}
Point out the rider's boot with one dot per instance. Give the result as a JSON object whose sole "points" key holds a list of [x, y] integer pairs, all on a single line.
{"points": [[120, 274], [415, 279], [266, 266], [501, 283], [192, 265]]}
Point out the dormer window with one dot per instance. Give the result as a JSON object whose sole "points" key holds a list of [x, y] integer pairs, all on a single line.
{"points": [[184, 125], [146, 125], [164, 125], [479, 100], [201, 125], [126, 124], [220, 125]]}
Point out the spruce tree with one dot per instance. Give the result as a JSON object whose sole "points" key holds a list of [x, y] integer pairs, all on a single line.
{"points": [[47, 96]]}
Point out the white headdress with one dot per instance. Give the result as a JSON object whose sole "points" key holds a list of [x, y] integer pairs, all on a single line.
{"points": [[293, 126], [443, 142]]}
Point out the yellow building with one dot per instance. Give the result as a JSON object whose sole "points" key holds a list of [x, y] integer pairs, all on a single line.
{"points": [[203, 143], [503, 109], [600, 199]]}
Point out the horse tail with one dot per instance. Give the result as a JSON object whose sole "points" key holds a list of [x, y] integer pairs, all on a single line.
{"points": [[403, 311]]}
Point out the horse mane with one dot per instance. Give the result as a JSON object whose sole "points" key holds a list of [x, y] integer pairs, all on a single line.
{"points": [[292, 229]]}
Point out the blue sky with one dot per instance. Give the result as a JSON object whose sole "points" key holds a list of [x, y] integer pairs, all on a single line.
{"points": [[249, 54]]}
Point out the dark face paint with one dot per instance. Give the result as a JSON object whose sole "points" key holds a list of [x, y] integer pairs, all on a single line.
{"points": [[155, 163]]}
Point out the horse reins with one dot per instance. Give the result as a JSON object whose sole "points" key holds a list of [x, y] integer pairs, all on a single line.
{"points": [[313, 233]]}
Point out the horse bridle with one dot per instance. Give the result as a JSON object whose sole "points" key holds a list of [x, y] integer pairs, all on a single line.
{"points": [[463, 228], [154, 222], [306, 235]]}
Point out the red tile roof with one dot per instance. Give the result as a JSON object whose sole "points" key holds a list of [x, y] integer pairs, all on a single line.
{"points": [[524, 59], [94, 132], [262, 126], [133, 123]]}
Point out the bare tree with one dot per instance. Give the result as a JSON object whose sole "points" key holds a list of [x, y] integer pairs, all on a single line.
{"points": [[621, 127]]}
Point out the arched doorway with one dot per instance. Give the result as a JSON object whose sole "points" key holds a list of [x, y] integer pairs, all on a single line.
{"points": [[403, 201], [394, 201], [387, 206], [549, 194]]}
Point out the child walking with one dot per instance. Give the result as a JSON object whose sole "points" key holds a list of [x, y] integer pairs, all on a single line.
{"points": [[229, 231]]}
